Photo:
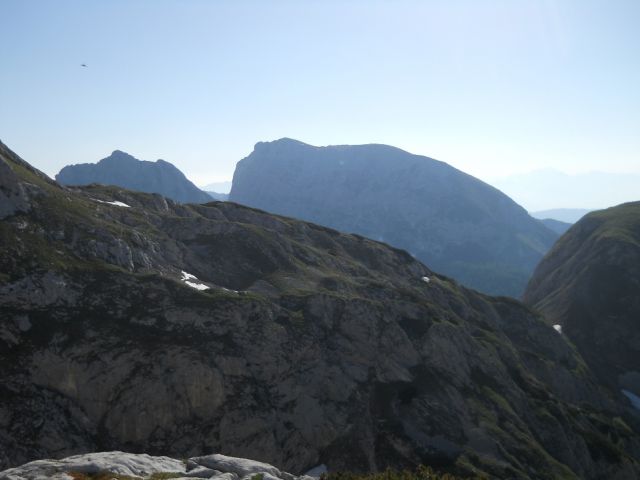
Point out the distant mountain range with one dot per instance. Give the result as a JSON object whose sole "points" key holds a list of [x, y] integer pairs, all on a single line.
{"points": [[551, 189], [221, 197], [123, 170], [218, 187], [455, 223], [566, 215], [556, 225]]}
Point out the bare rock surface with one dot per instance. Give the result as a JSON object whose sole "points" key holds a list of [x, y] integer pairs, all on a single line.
{"points": [[142, 466], [341, 355]]}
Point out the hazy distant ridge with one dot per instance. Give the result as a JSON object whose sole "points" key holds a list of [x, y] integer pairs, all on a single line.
{"points": [[567, 215], [125, 171]]}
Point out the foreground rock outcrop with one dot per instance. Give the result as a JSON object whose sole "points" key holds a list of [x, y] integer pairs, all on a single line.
{"points": [[589, 284], [130, 322], [141, 466], [453, 222]]}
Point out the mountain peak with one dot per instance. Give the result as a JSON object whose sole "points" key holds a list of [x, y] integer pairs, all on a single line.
{"points": [[121, 153], [458, 224], [280, 143], [124, 170]]}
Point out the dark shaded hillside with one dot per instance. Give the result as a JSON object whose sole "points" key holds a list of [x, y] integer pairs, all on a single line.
{"points": [[455, 223], [590, 284], [123, 170], [131, 322]]}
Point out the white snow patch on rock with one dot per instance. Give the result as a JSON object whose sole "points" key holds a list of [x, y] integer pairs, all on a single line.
{"points": [[115, 203], [187, 277], [119, 204], [426, 279], [197, 286], [558, 328], [633, 398]]}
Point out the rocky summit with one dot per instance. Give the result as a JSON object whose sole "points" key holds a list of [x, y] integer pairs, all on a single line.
{"points": [[589, 286], [131, 322], [453, 222], [123, 170]]}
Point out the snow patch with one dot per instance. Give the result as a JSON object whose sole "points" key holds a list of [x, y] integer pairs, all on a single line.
{"points": [[197, 286], [633, 398], [187, 277], [115, 203], [119, 204], [316, 471], [426, 279], [558, 328]]}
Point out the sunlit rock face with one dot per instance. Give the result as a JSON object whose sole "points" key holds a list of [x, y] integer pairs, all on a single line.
{"points": [[307, 347], [455, 223]]}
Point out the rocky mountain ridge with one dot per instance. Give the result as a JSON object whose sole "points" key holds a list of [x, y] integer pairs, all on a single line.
{"points": [[453, 222], [132, 322], [589, 284], [123, 170]]}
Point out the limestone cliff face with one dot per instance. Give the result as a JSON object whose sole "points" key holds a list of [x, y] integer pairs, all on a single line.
{"points": [[125, 171], [589, 284], [449, 220], [132, 322]]}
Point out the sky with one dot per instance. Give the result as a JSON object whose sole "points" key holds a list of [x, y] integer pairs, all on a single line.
{"points": [[494, 88], [549, 189]]}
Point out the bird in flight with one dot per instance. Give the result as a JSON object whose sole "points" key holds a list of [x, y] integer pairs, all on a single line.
{"points": [[84, 65]]}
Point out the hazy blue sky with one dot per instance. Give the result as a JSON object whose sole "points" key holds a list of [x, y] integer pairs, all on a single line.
{"points": [[491, 87]]}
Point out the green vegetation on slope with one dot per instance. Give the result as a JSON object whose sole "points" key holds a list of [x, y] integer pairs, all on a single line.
{"points": [[420, 473]]}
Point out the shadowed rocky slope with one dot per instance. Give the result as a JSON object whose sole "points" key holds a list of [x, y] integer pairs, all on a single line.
{"points": [[590, 284], [453, 222], [131, 322], [125, 171]]}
